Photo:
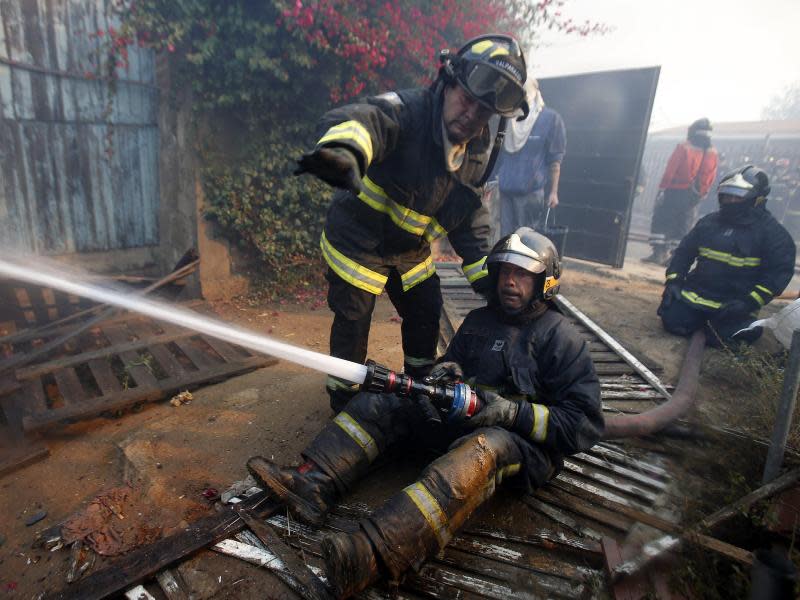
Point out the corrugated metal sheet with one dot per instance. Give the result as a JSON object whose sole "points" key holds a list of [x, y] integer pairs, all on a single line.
{"points": [[78, 161]]}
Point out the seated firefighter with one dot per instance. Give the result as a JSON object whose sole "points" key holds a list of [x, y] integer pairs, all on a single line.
{"points": [[541, 402], [744, 258]]}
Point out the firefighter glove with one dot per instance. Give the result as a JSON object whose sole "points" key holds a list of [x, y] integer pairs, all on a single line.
{"points": [[446, 372], [335, 166], [496, 411], [735, 309]]}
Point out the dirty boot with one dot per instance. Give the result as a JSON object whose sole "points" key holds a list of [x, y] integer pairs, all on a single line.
{"points": [[350, 562], [308, 493], [658, 256]]}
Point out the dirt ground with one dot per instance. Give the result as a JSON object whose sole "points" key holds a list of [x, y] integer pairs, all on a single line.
{"points": [[174, 454]]}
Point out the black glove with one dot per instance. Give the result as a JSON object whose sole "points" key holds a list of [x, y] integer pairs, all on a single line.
{"points": [[735, 310], [335, 166], [496, 411], [445, 372], [672, 293]]}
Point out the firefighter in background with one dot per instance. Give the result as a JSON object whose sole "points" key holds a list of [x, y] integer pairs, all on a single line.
{"points": [[744, 258], [541, 400], [410, 165], [687, 178]]}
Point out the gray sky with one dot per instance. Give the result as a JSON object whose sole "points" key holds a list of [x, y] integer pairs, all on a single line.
{"points": [[723, 59]]}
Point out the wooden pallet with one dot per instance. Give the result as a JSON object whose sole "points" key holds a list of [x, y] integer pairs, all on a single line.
{"points": [[133, 361]]}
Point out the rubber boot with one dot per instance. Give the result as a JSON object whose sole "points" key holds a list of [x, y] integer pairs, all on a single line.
{"points": [[308, 495], [658, 256], [419, 521], [351, 563]]}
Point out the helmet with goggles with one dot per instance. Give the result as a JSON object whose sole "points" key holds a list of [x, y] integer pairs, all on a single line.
{"points": [[748, 182], [491, 68], [533, 252]]}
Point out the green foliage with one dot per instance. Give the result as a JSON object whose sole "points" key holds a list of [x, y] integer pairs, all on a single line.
{"points": [[270, 68], [262, 207]]}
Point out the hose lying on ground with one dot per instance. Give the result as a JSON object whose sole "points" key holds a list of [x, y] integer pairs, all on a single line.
{"points": [[682, 399]]}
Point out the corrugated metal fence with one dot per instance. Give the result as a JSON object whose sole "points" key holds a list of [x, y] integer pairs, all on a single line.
{"points": [[78, 160]]}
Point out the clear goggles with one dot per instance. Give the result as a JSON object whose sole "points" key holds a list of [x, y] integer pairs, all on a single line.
{"points": [[493, 88]]}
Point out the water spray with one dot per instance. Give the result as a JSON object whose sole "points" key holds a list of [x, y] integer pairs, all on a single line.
{"points": [[456, 400]]}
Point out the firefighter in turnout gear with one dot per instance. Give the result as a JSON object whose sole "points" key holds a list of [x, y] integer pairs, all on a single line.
{"points": [[409, 165], [742, 258], [541, 398]]}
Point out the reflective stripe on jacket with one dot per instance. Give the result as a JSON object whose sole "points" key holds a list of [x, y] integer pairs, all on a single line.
{"points": [[408, 198], [752, 261]]}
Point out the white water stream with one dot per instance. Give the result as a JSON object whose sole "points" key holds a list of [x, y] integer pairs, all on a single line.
{"points": [[46, 275]]}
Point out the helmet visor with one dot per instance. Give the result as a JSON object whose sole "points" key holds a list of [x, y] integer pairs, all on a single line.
{"points": [[525, 262], [735, 186], [494, 88]]}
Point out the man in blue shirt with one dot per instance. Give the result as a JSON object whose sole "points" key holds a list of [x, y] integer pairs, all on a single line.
{"points": [[529, 165]]}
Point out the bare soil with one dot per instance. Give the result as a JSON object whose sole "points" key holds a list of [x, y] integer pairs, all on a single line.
{"points": [[174, 454]]}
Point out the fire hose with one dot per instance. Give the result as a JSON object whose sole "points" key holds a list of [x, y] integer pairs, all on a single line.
{"points": [[678, 405]]}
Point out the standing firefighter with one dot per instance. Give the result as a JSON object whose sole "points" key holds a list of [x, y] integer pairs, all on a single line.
{"points": [[409, 164], [541, 402], [687, 178], [744, 259]]}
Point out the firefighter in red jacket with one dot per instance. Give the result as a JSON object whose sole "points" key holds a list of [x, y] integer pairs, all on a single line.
{"points": [[409, 165], [688, 177]]}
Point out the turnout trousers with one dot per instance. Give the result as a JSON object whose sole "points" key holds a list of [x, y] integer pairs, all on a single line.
{"points": [[418, 521], [680, 318], [419, 308]]}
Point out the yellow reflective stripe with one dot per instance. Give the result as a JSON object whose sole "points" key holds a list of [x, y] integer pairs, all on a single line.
{"points": [[414, 361], [351, 131], [507, 471], [334, 383], [434, 231], [541, 416], [499, 52], [349, 270], [431, 510], [409, 220], [358, 434], [757, 298], [729, 259], [695, 299], [765, 290], [476, 270], [418, 274], [671, 276]]}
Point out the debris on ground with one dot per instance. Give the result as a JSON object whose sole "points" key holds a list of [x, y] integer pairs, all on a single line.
{"points": [[183, 398], [111, 524], [35, 518]]}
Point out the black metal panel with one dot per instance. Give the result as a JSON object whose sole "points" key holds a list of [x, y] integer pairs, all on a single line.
{"points": [[607, 115]]}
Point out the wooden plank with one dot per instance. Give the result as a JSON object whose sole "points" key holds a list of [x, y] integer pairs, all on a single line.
{"points": [[301, 580], [617, 368], [12, 459], [729, 550], [140, 394], [656, 484], [125, 346], [70, 386], [172, 584], [224, 349], [141, 374], [34, 397], [167, 360], [613, 483], [143, 562], [104, 376], [557, 497], [201, 360]]}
